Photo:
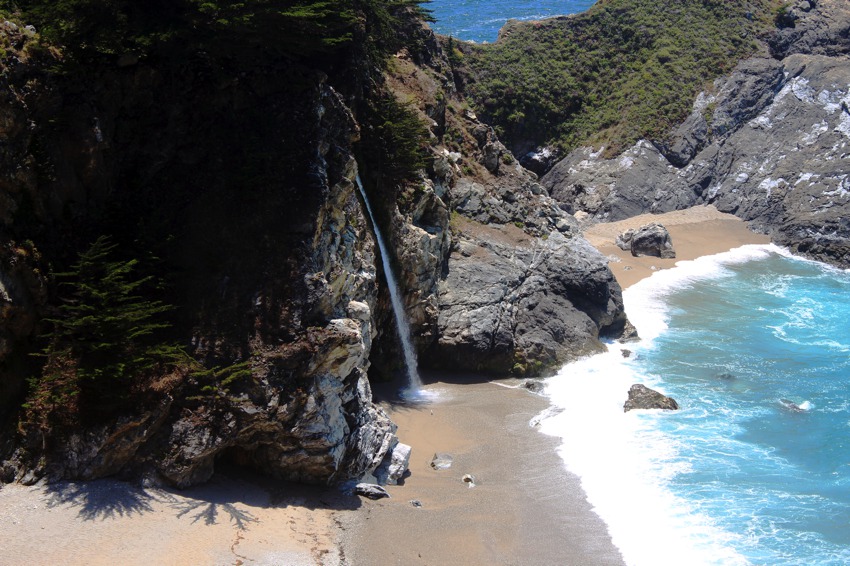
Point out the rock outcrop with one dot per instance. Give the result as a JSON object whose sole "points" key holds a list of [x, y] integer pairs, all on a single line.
{"points": [[495, 274], [768, 143], [274, 265], [651, 239], [642, 397]]}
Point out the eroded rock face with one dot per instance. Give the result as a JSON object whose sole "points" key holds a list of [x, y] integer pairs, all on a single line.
{"points": [[643, 398], [523, 305], [771, 145], [299, 305]]}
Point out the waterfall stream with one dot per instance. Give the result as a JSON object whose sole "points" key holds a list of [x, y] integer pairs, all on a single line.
{"points": [[414, 384]]}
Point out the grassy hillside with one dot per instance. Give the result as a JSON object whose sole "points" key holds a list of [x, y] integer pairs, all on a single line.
{"points": [[623, 70]]}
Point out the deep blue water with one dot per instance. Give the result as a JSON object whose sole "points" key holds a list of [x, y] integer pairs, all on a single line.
{"points": [[480, 20], [755, 467]]}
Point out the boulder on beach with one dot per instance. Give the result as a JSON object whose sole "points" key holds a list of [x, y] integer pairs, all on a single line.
{"points": [[371, 490], [642, 397], [649, 240]]}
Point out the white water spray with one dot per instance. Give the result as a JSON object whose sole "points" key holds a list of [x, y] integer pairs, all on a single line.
{"points": [[414, 384]]}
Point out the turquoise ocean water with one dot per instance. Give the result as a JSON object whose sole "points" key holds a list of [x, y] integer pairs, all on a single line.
{"points": [[755, 467], [480, 20]]}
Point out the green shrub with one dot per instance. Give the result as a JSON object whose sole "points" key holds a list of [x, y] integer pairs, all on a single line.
{"points": [[624, 70]]}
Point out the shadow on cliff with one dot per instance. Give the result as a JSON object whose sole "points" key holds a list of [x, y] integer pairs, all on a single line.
{"points": [[232, 495]]}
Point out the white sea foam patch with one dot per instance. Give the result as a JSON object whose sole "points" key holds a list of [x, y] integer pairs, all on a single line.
{"points": [[625, 464], [624, 460], [644, 300]]}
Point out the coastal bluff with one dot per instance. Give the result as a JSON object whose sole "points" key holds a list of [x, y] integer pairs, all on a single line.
{"points": [[768, 143]]}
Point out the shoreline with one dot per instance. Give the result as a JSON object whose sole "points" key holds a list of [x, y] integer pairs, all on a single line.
{"points": [[696, 232], [526, 508], [506, 519]]}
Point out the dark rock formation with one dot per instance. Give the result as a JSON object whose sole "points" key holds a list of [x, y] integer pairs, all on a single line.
{"points": [[768, 143], [642, 397], [523, 305], [272, 259], [651, 239], [495, 274]]}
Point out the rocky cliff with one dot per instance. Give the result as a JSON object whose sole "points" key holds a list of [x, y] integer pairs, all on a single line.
{"points": [[233, 178], [769, 143]]}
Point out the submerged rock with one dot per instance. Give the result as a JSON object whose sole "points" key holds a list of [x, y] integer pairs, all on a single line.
{"points": [[642, 397]]}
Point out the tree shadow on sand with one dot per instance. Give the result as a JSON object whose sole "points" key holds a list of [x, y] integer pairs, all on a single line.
{"points": [[101, 499], [229, 496]]}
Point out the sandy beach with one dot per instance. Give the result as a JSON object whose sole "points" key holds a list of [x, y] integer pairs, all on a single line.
{"points": [[695, 232], [525, 507]]}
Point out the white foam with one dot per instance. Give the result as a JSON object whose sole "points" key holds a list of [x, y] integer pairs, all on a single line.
{"points": [[643, 300], [624, 461], [625, 464]]}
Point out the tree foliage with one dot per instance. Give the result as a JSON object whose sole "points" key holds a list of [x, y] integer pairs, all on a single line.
{"points": [[107, 335], [624, 70], [293, 27]]}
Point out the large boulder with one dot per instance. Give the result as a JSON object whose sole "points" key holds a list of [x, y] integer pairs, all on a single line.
{"points": [[511, 303], [651, 239], [642, 397]]}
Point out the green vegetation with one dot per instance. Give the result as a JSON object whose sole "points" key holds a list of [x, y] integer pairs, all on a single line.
{"points": [[107, 338], [298, 28], [624, 70], [394, 147]]}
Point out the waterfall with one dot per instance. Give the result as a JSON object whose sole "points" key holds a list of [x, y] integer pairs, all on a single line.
{"points": [[414, 384]]}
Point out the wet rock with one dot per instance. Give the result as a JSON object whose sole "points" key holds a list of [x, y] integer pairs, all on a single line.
{"points": [[642, 397], [534, 385]]}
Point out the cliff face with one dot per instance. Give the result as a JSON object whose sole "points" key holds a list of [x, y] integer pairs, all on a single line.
{"points": [[276, 270], [497, 278], [240, 179], [767, 143]]}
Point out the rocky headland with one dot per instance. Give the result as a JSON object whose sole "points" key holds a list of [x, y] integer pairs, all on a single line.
{"points": [[768, 143]]}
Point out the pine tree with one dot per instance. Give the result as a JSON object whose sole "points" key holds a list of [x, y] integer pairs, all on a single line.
{"points": [[107, 335]]}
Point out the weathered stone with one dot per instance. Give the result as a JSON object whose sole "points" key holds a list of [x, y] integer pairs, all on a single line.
{"points": [[394, 465], [441, 461], [652, 240], [524, 306], [371, 491], [642, 397]]}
